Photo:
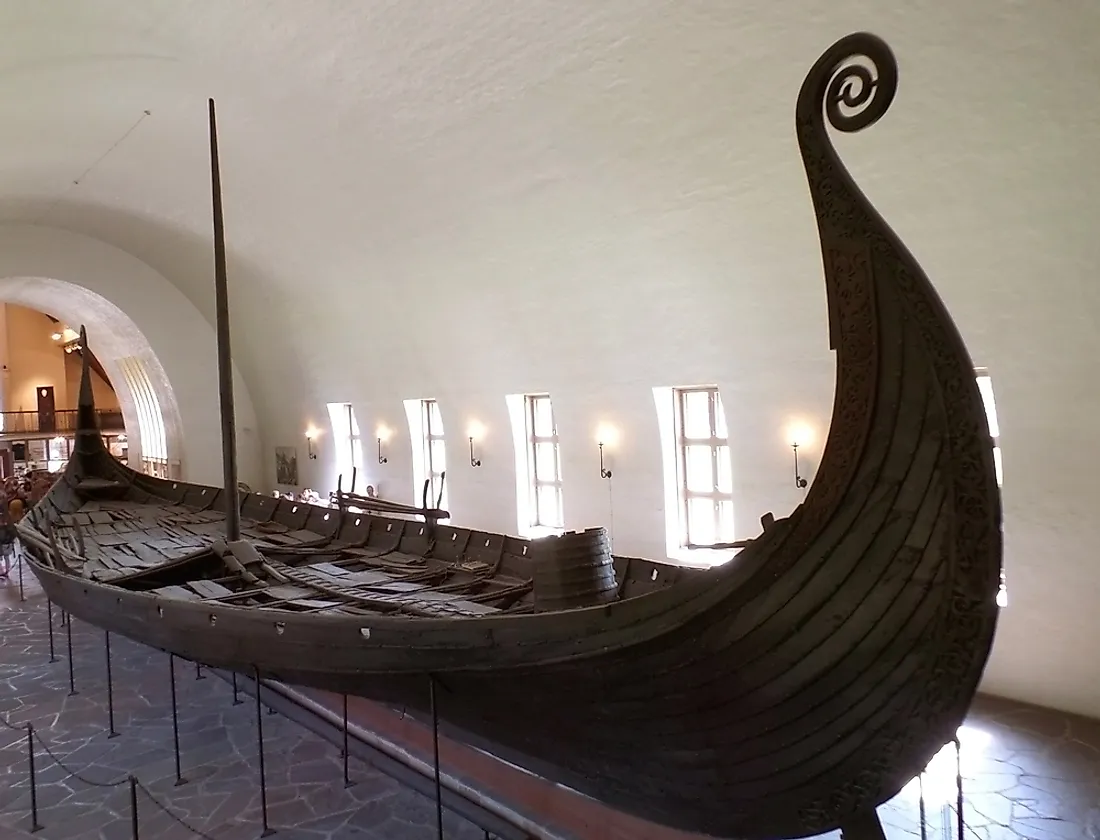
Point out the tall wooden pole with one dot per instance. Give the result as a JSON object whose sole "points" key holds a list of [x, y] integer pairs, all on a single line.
{"points": [[225, 359]]}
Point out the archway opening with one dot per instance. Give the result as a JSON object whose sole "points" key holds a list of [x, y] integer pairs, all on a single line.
{"points": [[41, 354]]}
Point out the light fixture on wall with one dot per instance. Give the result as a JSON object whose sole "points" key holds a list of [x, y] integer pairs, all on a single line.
{"points": [[383, 436], [604, 471], [605, 435], [68, 338], [799, 434], [475, 430], [799, 481], [311, 434]]}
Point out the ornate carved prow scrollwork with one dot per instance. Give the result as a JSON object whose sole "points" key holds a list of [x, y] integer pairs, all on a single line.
{"points": [[860, 74], [853, 85]]}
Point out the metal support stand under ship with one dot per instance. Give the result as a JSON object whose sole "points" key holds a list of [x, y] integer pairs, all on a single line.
{"points": [[786, 693]]}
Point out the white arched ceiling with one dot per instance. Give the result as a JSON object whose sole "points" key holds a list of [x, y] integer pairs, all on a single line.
{"points": [[131, 311], [476, 198]]}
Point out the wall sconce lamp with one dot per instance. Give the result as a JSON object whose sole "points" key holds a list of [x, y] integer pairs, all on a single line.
{"points": [[799, 481], [605, 434], [475, 430], [799, 434], [383, 436], [311, 434]]}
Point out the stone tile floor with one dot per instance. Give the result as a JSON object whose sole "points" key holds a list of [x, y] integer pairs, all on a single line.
{"points": [[221, 797], [1029, 774]]}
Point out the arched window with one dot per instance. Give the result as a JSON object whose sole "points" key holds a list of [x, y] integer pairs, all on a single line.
{"points": [[539, 497], [154, 440], [698, 473], [429, 451], [349, 446]]}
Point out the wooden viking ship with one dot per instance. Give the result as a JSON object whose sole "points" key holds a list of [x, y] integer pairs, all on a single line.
{"points": [[786, 693]]}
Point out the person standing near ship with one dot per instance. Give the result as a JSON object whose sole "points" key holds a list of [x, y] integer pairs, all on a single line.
{"points": [[9, 546]]}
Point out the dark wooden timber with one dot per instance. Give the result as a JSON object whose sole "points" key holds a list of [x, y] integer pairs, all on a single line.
{"points": [[574, 570], [225, 357], [784, 694]]}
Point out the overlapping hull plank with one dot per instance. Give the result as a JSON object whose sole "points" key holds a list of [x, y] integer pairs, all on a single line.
{"points": [[784, 694]]}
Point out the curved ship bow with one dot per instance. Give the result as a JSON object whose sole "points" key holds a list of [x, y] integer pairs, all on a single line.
{"points": [[867, 268]]}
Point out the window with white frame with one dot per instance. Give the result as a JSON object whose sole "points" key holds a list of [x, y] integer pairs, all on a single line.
{"points": [[543, 463], [434, 458], [703, 467], [349, 446], [985, 387]]}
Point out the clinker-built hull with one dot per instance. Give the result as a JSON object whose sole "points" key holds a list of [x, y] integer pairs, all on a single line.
{"points": [[784, 694]]}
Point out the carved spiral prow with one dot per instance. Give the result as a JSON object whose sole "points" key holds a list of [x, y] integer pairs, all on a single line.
{"points": [[851, 85], [853, 93]]}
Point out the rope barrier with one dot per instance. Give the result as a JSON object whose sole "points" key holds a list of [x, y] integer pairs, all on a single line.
{"points": [[80, 776], [164, 809], [32, 737], [13, 727], [128, 779], [73, 773]]}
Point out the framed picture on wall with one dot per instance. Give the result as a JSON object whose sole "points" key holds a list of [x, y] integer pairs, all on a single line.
{"points": [[286, 466], [37, 452]]}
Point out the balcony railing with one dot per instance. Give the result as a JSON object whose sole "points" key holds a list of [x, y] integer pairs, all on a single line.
{"points": [[54, 422]]}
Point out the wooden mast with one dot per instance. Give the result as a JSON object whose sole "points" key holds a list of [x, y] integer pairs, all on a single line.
{"points": [[225, 359]]}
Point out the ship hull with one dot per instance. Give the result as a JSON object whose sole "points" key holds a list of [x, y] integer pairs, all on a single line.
{"points": [[782, 695]]}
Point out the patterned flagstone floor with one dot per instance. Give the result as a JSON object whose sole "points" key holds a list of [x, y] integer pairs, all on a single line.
{"points": [[88, 798], [1029, 774]]}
